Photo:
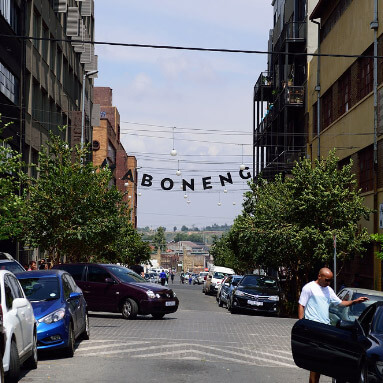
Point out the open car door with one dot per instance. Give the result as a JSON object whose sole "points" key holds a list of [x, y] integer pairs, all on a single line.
{"points": [[332, 351]]}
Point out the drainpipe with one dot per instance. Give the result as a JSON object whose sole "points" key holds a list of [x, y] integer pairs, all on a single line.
{"points": [[318, 89], [375, 25]]}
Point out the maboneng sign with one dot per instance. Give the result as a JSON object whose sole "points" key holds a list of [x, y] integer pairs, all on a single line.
{"points": [[168, 184]]}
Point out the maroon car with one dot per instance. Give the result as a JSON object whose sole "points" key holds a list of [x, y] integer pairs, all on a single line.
{"points": [[114, 288]]}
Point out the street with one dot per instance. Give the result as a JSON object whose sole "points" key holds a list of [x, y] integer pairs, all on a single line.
{"points": [[200, 342]]}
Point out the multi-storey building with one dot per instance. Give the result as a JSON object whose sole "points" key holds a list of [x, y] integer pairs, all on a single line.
{"points": [[43, 76], [279, 115], [108, 149], [350, 108]]}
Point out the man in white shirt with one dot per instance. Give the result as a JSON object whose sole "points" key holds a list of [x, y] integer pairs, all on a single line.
{"points": [[315, 300]]}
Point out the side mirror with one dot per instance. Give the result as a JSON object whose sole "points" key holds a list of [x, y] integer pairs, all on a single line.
{"points": [[19, 303], [74, 295], [109, 281]]}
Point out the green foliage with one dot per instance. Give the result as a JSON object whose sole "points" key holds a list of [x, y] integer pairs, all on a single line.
{"points": [[72, 209], [290, 223], [159, 239], [379, 239], [184, 228], [11, 178], [188, 237]]}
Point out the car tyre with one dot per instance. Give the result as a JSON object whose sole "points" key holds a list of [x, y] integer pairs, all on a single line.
{"points": [[86, 334], [69, 351], [129, 309], [32, 361], [13, 374], [158, 315]]}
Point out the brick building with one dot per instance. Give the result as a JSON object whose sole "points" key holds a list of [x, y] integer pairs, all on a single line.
{"points": [[108, 149]]}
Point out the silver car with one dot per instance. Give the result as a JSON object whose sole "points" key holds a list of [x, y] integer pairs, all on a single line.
{"points": [[200, 278]]}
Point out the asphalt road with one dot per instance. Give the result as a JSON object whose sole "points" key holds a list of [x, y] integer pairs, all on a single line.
{"points": [[201, 342]]}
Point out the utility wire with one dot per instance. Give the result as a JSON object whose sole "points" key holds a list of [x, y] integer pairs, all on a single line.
{"points": [[200, 49]]}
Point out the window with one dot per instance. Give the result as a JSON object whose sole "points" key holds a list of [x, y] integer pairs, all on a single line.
{"points": [[97, 274], [17, 290], [58, 63], [52, 52], [327, 116], [36, 30], [366, 169], [75, 270], [9, 84], [344, 87], [66, 287], [11, 13], [366, 76], [45, 43], [8, 293]]}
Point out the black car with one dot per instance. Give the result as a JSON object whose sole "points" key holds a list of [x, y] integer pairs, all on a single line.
{"points": [[114, 288], [258, 293], [349, 352]]}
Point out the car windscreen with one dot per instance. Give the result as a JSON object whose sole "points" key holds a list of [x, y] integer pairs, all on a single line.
{"points": [[357, 309], [39, 289], [125, 274], [14, 267], [259, 281], [218, 275]]}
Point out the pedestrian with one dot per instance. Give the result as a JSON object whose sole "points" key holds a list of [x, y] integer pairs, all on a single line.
{"points": [[182, 278], [315, 300], [163, 277], [172, 276], [32, 266], [138, 269], [190, 279], [42, 264]]}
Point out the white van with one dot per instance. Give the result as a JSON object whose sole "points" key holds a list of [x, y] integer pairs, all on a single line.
{"points": [[214, 278]]}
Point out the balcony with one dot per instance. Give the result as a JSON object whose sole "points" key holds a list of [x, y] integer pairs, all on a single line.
{"points": [[293, 32], [293, 96], [262, 88]]}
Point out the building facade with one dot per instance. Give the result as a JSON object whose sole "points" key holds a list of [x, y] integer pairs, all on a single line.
{"points": [[279, 114], [43, 76], [108, 149], [350, 108]]}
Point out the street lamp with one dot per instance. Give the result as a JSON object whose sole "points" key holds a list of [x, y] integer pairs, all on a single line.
{"points": [[86, 74]]}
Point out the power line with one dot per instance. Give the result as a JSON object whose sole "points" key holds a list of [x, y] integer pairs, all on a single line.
{"points": [[198, 49]]}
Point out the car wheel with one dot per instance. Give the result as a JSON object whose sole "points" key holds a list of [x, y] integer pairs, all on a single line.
{"points": [[158, 316], [86, 334], [14, 364], [129, 309], [32, 361], [69, 351]]}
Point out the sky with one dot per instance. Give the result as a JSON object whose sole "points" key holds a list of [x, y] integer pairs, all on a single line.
{"points": [[199, 103]]}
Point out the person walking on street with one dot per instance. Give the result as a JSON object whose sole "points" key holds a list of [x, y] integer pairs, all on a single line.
{"points": [[163, 277], [182, 278], [172, 276], [190, 279], [315, 300]]}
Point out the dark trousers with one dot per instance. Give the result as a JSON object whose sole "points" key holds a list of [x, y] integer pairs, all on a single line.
{"points": [[163, 281]]}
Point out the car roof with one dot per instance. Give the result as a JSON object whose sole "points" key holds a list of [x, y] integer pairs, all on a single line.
{"points": [[40, 273], [365, 291]]}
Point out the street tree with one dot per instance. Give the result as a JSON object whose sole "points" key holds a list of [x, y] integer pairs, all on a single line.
{"points": [[159, 239], [72, 210], [11, 202]]}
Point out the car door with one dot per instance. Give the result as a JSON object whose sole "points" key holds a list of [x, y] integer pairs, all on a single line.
{"points": [[81, 309], [336, 311], [225, 287], [72, 304], [14, 317], [102, 296], [331, 351]]}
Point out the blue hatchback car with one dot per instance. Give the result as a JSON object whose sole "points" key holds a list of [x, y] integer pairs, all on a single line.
{"points": [[59, 308]]}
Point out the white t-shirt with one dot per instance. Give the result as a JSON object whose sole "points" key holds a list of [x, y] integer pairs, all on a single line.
{"points": [[316, 301]]}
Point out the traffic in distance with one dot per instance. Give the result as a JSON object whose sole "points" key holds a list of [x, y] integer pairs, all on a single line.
{"points": [[45, 310]]}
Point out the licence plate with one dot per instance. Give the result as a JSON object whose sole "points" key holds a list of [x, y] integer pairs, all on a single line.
{"points": [[170, 303], [255, 303]]}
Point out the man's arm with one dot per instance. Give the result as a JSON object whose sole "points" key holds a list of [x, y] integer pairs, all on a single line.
{"points": [[355, 301], [301, 311]]}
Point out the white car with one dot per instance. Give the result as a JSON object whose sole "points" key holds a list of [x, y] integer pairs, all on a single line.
{"points": [[19, 327]]}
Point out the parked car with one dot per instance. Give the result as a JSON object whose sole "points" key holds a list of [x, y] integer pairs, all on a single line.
{"points": [[200, 278], [59, 307], [3, 341], [7, 262], [114, 288], [348, 352], [257, 293], [226, 288], [214, 279], [350, 313], [20, 327]]}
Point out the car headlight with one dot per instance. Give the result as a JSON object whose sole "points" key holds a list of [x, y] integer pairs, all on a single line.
{"points": [[174, 294], [150, 294], [274, 298], [53, 317], [239, 293], [379, 366]]}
